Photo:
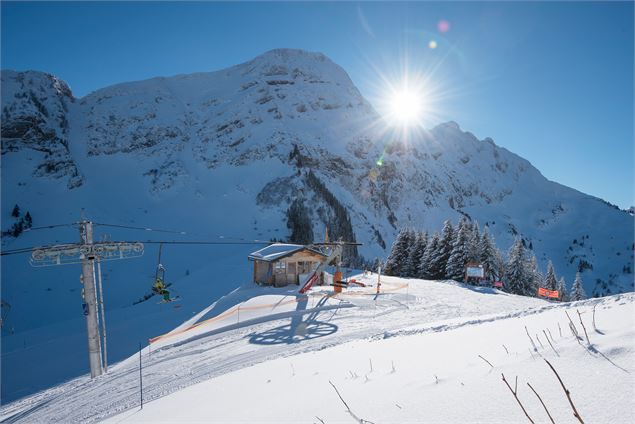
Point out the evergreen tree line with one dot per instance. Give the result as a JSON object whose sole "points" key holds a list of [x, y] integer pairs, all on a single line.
{"points": [[23, 222], [335, 216], [416, 254]]}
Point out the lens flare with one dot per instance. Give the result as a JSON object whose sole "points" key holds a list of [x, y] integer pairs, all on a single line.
{"points": [[443, 26], [432, 44]]}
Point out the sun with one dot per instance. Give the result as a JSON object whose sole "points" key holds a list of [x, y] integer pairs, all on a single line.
{"points": [[406, 106]]}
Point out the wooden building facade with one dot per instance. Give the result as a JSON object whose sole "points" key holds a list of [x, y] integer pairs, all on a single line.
{"points": [[281, 264]]}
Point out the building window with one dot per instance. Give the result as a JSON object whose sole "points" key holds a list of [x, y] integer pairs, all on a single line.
{"points": [[280, 266]]}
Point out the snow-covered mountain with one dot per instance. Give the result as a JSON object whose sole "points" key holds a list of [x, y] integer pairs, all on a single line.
{"points": [[224, 154]]}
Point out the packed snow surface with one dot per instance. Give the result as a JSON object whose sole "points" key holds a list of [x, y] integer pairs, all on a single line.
{"points": [[409, 354]]}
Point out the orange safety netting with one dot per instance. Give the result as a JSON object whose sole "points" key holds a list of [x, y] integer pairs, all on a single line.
{"points": [[238, 308], [548, 293]]}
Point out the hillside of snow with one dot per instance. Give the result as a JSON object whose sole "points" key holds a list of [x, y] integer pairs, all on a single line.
{"points": [[221, 156], [410, 352]]}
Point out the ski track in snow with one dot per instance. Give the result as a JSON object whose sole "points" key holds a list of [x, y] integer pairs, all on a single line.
{"points": [[190, 360]]}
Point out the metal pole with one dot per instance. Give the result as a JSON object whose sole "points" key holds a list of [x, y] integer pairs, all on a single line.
{"points": [[103, 313], [140, 376], [92, 323]]}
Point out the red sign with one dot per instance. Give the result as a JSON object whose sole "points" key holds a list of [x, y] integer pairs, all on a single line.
{"points": [[548, 293], [498, 284]]}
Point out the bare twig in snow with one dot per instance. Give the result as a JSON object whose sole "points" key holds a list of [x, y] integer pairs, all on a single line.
{"points": [[550, 335], [559, 329], [505, 347], [554, 349], [393, 367], [488, 362], [371, 364], [348, 409], [573, 328], [320, 419], [532, 355], [398, 406], [543, 404], [292, 371], [436, 379], [517, 400], [583, 327], [566, 391], [594, 327], [538, 338], [531, 340]]}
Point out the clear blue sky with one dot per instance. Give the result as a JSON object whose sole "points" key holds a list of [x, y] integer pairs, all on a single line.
{"points": [[552, 82]]}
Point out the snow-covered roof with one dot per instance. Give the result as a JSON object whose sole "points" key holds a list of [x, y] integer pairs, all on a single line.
{"points": [[279, 250]]}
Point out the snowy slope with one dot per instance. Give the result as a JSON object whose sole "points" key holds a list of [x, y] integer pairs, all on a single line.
{"points": [[221, 156], [270, 361], [468, 389]]}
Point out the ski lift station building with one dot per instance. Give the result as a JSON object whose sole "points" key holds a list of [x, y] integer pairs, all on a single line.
{"points": [[280, 264]]}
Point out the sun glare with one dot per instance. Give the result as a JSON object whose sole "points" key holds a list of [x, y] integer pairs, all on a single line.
{"points": [[406, 106]]}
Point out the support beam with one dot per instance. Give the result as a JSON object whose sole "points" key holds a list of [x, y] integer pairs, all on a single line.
{"points": [[90, 296]]}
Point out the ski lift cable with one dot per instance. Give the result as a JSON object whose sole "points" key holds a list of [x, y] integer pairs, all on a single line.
{"points": [[220, 243], [129, 227], [175, 232], [46, 227]]}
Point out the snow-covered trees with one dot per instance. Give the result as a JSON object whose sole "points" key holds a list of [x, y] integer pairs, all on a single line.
{"points": [[429, 266], [536, 275], [517, 275], [399, 254], [299, 222], [577, 291], [550, 282], [490, 257], [446, 243], [460, 254], [562, 290], [22, 222], [474, 243], [418, 255]]}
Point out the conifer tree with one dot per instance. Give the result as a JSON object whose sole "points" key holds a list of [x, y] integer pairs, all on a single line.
{"points": [[16, 211], [299, 222], [577, 291], [517, 276], [416, 254], [28, 221], [459, 256], [407, 268], [562, 290], [428, 268], [535, 275], [446, 243], [398, 254], [488, 256], [499, 260], [474, 244], [550, 282]]}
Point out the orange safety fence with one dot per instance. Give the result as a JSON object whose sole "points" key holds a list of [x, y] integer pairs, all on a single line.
{"points": [[238, 308], [548, 293]]}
